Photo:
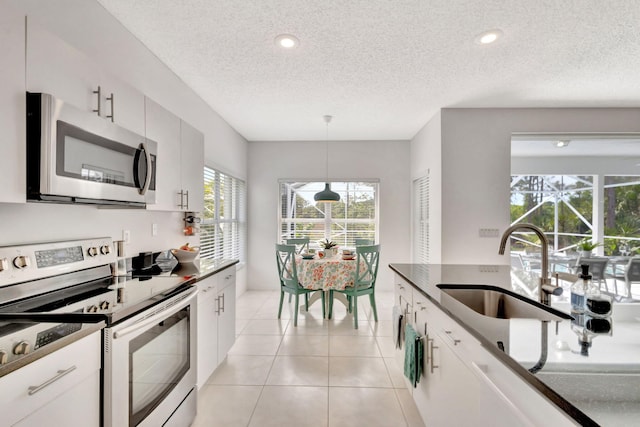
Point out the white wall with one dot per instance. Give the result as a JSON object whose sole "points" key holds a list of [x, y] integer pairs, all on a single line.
{"points": [[476, 146], [426, 159], [387, 161], [87, 27]]}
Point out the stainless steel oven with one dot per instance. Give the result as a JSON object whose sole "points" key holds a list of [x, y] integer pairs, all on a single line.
{"points": [[74, 156], [150, 366], [149, 343]]}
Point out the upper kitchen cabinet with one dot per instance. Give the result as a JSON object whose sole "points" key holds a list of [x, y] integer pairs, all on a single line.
{"points": [[57, 68], [163, 127], [180, 164], [12, 107], [192, 162]]}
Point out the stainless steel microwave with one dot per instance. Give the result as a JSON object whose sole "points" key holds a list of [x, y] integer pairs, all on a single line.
{"points": [[75, 156]]}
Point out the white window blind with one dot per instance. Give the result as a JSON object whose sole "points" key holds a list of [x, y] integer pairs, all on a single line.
{"points": [[223, 232], [421, 220], [354, 217]]}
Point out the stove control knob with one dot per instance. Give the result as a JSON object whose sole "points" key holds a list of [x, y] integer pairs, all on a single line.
{"points": [[21, 261], [23, 347], [104, 305], [105, 249], [4, 357], [4, 264], [92, 251], [92, 309]]}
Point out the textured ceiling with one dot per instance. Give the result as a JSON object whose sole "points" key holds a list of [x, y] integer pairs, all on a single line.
{"points": [[384, 68]]}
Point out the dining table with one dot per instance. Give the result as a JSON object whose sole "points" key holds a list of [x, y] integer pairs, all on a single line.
{"points": [[326, 274]]}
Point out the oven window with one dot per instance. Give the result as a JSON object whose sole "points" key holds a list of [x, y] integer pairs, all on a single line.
{"points": [[158, 359]]}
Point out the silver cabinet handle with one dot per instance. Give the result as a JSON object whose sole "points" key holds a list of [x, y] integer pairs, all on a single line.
{"points": [[217, 310], [110, 99], [61, 373], [222, 296], [187, 194], [430, 340], [99, 93], [182, 204]]}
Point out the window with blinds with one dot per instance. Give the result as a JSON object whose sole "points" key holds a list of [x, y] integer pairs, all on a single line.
{"points": [[223, 231], [421, 220], [354, 217]]}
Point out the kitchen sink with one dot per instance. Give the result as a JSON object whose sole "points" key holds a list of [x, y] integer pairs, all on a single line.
{"points": [[499, 314], [497, 303]]}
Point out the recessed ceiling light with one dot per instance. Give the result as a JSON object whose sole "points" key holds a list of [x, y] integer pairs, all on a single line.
{"points": [[488, 37], [560, 143], [287, 41]]}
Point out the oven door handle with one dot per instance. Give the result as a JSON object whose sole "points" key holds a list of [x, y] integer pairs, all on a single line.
{"points": [[155, 318]]}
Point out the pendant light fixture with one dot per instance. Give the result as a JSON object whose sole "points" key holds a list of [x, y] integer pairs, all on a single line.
{"points": [[327, 195]]}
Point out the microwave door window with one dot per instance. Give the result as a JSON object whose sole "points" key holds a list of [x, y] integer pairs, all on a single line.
{"points": [[85, 156]]}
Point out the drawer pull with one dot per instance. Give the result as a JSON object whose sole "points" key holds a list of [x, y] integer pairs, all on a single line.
{"points": [[61, 373], [452, 338]]}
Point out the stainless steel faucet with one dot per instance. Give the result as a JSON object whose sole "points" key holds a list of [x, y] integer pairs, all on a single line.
{"points": [[546, 289]]}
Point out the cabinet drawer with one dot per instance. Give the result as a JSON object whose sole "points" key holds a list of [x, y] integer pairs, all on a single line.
{"points": [[403, 289], [67, 367], [206, 287], [226, 277]]}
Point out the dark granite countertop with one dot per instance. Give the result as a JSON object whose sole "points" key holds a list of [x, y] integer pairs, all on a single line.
{"points": [[203, 268], [597, 384]]}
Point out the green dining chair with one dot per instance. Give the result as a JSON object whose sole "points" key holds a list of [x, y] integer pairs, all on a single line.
{"points": [[289, 283], [364, 242], [364, 281], [301, 244]]}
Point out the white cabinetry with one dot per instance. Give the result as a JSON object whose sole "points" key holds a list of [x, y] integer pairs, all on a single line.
{"points": [[216, 321], [192, 168], [226, 311], [447, 385], [463, 384], [163, 127], [207, 329], [12, 107], [60, 389], [180, 165], [57, 68]]}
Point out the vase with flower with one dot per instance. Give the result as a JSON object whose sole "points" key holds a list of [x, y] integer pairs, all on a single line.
{"points": [[329, 248]]}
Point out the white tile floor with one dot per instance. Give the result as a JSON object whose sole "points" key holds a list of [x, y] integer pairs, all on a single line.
{"points": [[320, 373]]}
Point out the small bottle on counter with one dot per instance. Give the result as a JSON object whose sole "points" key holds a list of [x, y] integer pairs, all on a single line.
{"points": [[597, 304], [579, 290]]}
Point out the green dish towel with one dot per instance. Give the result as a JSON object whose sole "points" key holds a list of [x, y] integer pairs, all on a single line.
{"points": [[413, 354]]}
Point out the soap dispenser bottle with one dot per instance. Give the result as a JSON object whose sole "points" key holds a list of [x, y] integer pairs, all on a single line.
{"points": [[579, 290]]}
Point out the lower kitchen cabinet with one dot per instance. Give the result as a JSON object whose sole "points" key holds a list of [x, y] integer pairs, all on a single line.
{"points": [[60, 389], [462, 383], [207, 329], [216, 321], [226, 312]]}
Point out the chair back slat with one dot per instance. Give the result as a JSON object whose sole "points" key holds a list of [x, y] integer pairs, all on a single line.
{"points": [[301, 244], [364, 242], [367, 261], [286, 261]]}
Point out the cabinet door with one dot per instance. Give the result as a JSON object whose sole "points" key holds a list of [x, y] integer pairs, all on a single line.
{"points": [[62, 381], [163, 127], [57, 68], [192, 167], [127, 104], [12, 107], [77, 407], [226, 321], [207, 329]]}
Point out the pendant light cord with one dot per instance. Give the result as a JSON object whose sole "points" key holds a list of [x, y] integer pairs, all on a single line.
{"points": [[327, 120]]}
